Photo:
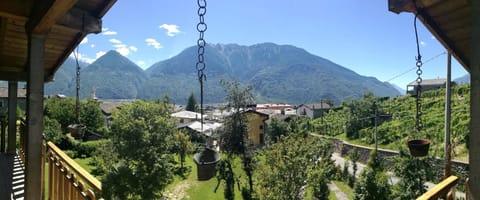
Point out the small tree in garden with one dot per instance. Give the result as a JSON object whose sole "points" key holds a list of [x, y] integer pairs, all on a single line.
{"points": [[413, 173], [373, 182], [182, 147], [290, 165]]}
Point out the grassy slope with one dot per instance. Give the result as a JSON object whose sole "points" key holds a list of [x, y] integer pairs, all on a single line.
{"points": [[395, 133]]}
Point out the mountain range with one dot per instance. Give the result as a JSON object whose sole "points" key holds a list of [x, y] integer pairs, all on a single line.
{"points": [[278, 73]]}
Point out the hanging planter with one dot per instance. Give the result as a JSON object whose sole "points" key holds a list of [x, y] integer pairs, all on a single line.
{"points": [[77, 130], [418, 147], [206, 162]]}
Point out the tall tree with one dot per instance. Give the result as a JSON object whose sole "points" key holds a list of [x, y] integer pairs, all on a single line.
{"points": [[192, 103], [234, 138], [142, 142]]}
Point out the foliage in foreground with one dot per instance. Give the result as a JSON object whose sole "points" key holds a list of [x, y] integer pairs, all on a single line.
{"points": [[414, 172], [63, 111], [140, 164], [288, 167], [234, 140], [373, 182]]}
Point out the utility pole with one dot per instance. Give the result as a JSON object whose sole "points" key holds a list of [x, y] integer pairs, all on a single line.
{"points": [[375, 113], [448, 146]]}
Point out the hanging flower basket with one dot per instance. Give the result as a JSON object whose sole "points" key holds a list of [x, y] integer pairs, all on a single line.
{"points": [[77, 130], [419, 147]]}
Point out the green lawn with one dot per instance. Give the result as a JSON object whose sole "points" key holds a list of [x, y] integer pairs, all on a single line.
{"points": [[85, 163], [191, 188]]}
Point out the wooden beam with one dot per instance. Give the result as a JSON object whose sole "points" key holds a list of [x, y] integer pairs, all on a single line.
{"points": [[474, 133], [35, 88], [82, 21], [13, 9], [12, 116], [443, 38], [13, 76], [46, 13]]}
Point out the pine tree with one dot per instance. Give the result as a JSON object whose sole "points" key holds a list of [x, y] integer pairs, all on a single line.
{"points": [[192, 103]]}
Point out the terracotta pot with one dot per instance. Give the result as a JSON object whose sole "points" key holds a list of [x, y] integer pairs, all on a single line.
{"points": [[419, 147]]}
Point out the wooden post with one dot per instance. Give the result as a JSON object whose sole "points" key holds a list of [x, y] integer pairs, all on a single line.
{"points": [[36, 62], [2, 133], [12, 116], [474, 137], [447, 147]]}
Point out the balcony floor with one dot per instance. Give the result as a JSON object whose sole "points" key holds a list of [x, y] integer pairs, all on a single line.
{"points": [[12, 177]]}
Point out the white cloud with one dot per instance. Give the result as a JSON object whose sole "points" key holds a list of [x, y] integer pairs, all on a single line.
{"points": [[133, 48], [423, 43], [141, 63], [104, 29], [433, 37], [83, 58], [115, 41], [172, 29], [154, 43], [123, 50], [109, 33], [119, 45], [100, 54], [92, 46], [85, 40]]}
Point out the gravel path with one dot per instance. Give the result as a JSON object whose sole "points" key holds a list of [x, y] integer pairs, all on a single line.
{"points": [[340, 195]]}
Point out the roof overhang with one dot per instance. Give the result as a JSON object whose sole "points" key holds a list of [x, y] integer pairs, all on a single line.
{"points": [[448, 20], [64, 24]]}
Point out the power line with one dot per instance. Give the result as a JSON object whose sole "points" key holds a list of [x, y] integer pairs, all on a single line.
{"points": [[413, 68]]}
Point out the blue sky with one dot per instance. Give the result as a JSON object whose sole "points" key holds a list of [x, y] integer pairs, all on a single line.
{"points": [[364, 37]]}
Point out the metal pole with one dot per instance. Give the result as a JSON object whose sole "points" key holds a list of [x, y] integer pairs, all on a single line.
{"points": [[375, 112], [447, 147]]}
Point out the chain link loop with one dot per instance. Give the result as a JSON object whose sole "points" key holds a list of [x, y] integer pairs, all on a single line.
{"points": [[77, 99], [201, 43], [418, 100]]}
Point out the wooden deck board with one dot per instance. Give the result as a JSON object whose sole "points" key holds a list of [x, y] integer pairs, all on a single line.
{"points": [[12, 177], [6, 174]]}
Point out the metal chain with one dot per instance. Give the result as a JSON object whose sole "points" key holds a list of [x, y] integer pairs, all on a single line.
{"points": [[418, 100], [77, 99], [201, 28]]}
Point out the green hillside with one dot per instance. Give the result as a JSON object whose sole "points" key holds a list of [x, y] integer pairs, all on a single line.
{"points": [[354, 121]]}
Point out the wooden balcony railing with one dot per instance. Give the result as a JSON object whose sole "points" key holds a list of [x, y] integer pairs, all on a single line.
{"points": [[441, 189], [66, 179]]}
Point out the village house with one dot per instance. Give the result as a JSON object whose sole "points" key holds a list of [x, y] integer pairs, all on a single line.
{"points": [[313, 110], [256, 126], [107, 108], [187, 116], [427, 84], [273, 108]]}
